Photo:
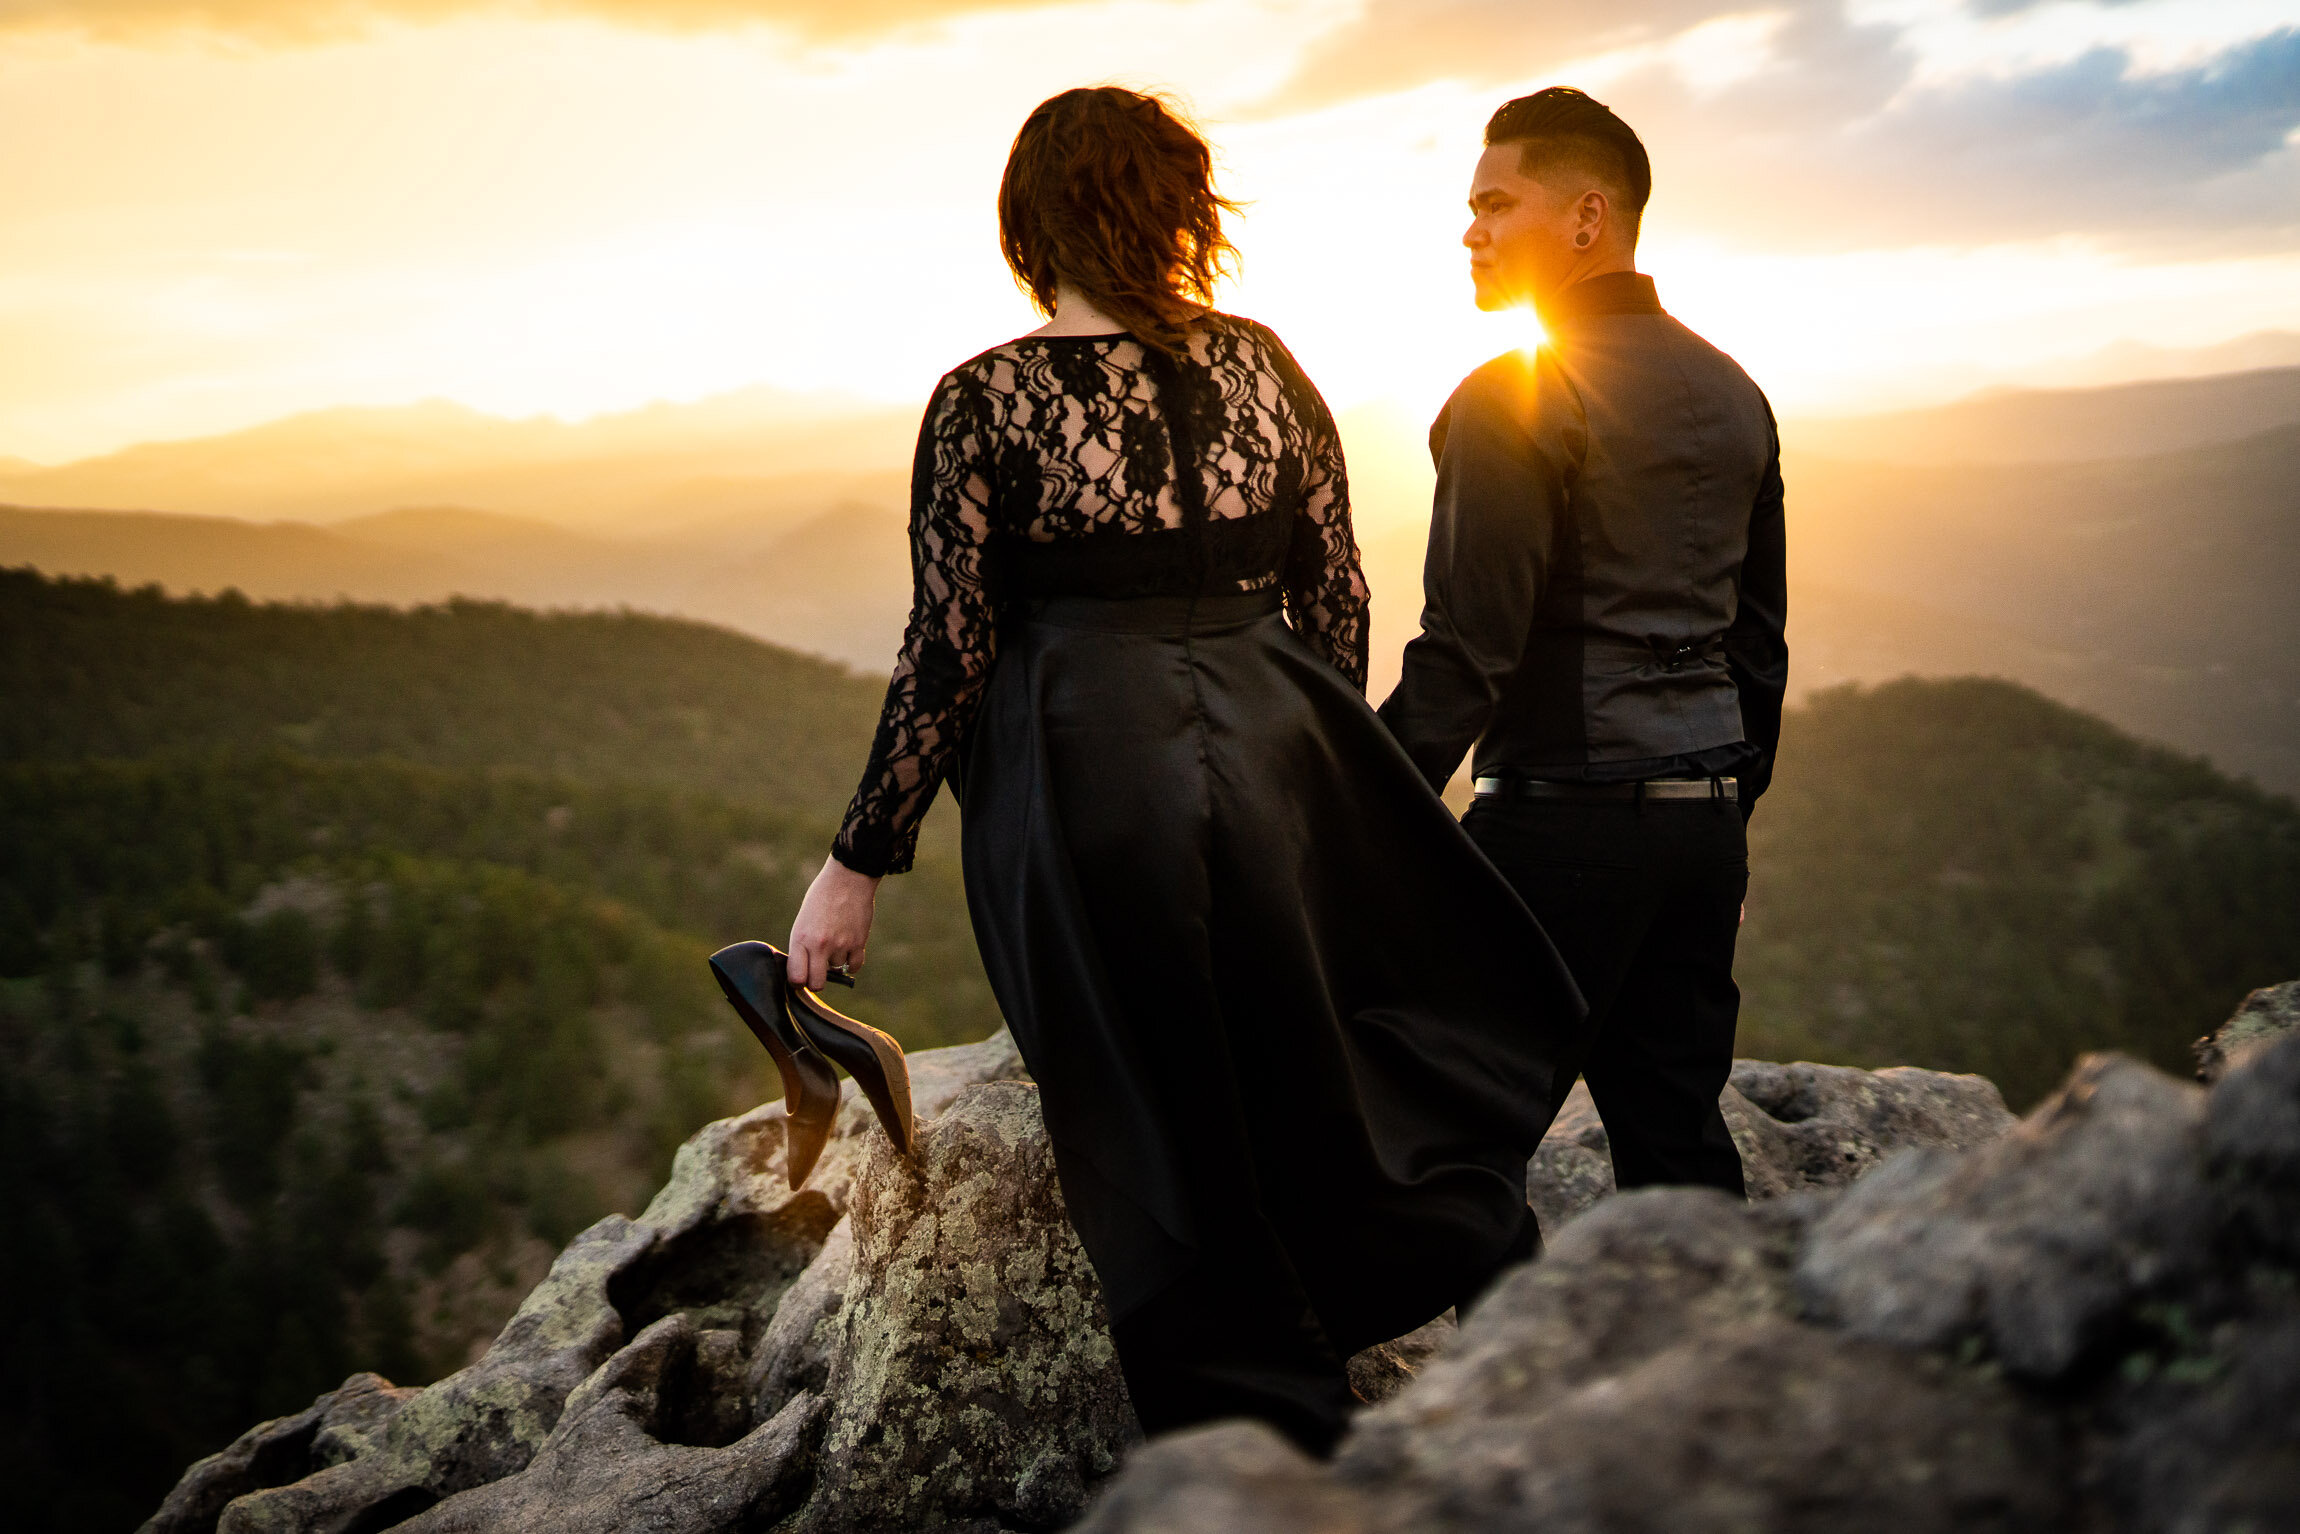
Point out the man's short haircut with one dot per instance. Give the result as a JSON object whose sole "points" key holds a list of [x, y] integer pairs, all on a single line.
{"points": [[1561, 126]]}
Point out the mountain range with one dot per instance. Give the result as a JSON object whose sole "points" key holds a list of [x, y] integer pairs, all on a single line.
{"points": [[351, 960], [2128, 549]]}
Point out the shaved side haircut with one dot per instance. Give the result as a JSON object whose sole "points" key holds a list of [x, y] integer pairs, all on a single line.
{"points": [[1562, 128]]}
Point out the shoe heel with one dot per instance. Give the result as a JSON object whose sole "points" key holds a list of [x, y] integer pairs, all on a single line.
{"points": [[752, 977], [870, 1056]]}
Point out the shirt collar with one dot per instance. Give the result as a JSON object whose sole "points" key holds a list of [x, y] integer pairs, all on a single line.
{"points": [[1608, 293]]}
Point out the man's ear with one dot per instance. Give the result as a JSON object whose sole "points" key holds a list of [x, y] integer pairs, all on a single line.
{"points": [[1591, 214]]}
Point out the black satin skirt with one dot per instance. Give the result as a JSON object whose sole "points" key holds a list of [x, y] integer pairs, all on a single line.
{"points": [[1287, 1022]]}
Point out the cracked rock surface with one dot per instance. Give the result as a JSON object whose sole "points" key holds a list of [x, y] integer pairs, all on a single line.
{"points": [[2090, 1323], [714, 1254], [1796, 1126], [1928, 1317], [972, 1372]]}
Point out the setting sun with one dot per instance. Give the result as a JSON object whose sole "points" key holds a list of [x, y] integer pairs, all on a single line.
{"points": [[213, 233], [667, 862]]}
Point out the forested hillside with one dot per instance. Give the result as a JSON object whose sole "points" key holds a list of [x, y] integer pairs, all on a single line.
{"points": [[350, 959], [90, 670], [1964, 875]]}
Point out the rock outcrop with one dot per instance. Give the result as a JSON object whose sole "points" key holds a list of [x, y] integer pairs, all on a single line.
{"points": [[2088, 1319], [2089, 1323], [971, 1373], [713, 1256], [2266, 1015], [1796, 1126]]}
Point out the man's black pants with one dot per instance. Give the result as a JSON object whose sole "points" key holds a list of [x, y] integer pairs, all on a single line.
{"points": [[1643, 901]]}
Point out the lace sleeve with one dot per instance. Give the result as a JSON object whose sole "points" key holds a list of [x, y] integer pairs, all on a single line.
{"points": [[950, 641], [1326, 596]]}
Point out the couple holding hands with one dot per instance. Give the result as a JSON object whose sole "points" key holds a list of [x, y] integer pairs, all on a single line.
{"points": [[1296, 1029]]}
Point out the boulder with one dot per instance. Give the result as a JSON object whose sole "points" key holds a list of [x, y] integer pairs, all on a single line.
{"points": [[1760, 1423], [2091, 1322], [1234, 1477], [2032, 1245], [646, 1446], [1805, 1126], [795, 1354], [339, 1427], [1647, 1374], [1386, 1368], [972, 1374], [479, 1424], [1631, 1277], [2267, 1014], [716, 1248], [1796, 1126], [2252, 1144]]}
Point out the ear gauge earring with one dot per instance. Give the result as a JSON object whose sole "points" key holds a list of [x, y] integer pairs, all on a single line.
{"points": [[1581, 240]]}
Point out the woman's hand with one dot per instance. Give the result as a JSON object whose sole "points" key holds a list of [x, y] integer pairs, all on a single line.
{"points": [[833, 925]]}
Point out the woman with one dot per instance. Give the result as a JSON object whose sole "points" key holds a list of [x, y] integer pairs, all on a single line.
{"points": [[1291, 1030]]}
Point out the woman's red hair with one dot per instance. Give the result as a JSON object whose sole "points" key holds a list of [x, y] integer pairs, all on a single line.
{"points": [[1112, 193]]}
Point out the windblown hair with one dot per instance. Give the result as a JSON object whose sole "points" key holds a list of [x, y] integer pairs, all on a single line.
{"points": [[1112, 192], [1561, 127]]}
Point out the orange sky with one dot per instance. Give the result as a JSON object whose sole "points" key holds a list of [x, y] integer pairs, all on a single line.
{"points": [[215, 214]]}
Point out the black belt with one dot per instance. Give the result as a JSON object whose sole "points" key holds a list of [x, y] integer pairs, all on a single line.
{"points": [[1652, 788]]}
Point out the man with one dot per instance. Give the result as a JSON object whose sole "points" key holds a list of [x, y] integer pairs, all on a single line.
{"points": [[1603, 619]]}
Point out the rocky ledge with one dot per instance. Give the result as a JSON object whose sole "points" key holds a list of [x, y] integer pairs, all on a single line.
{"points": [[2087, 1320]]}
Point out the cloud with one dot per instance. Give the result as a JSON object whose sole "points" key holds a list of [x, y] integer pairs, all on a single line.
{"points": [[1399, 43], [1848, 134], [302, 21]]}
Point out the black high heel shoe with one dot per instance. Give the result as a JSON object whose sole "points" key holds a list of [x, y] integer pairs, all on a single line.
{"points": [[753, 977], [871, 1057]]}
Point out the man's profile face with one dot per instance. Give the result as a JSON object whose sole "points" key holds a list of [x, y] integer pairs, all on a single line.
{"points": [[1520, 235]]}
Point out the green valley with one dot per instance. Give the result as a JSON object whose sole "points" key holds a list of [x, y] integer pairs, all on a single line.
{"points": [[351, 959]]}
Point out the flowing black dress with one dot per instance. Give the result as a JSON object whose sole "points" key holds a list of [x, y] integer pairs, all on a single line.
{"points": [[1294, 1035]]}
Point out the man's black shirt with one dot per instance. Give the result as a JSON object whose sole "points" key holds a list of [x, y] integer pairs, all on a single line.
{"points": [[1605, 594]]}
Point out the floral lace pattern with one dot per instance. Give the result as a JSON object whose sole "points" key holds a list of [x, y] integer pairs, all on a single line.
{"points": [[1062, 446]]}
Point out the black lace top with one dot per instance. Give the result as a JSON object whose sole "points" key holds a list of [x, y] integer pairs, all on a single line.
{"points": [[1046, 467]]}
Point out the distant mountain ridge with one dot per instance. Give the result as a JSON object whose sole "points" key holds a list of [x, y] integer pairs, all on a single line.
{"points": [[834, 582], [2021, 426], [2156, 592], [2126, 549], [757, 451]]}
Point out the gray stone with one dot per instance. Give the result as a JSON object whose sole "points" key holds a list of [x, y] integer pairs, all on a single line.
{"points": [[973, 1374], [2217, 1441], [625, 1455], [717, 1247], [2252, 1143], [2034, 1242], [1386, 1368], [1798, 1127], [1635, 1275], [1573, 1168], [1806, 1126], [796, 1352], [2264, 1016], [2092, 1319], [1232, 1478], [340, 1426], [479, 1424], [1757, 1424], [355, 1425], [1645, 1375]]}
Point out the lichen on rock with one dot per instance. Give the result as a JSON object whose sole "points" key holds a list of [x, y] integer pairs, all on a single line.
{"points": [[1928, 1317], [2092, 1322], [973, 1371], [1797, 1127]]}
